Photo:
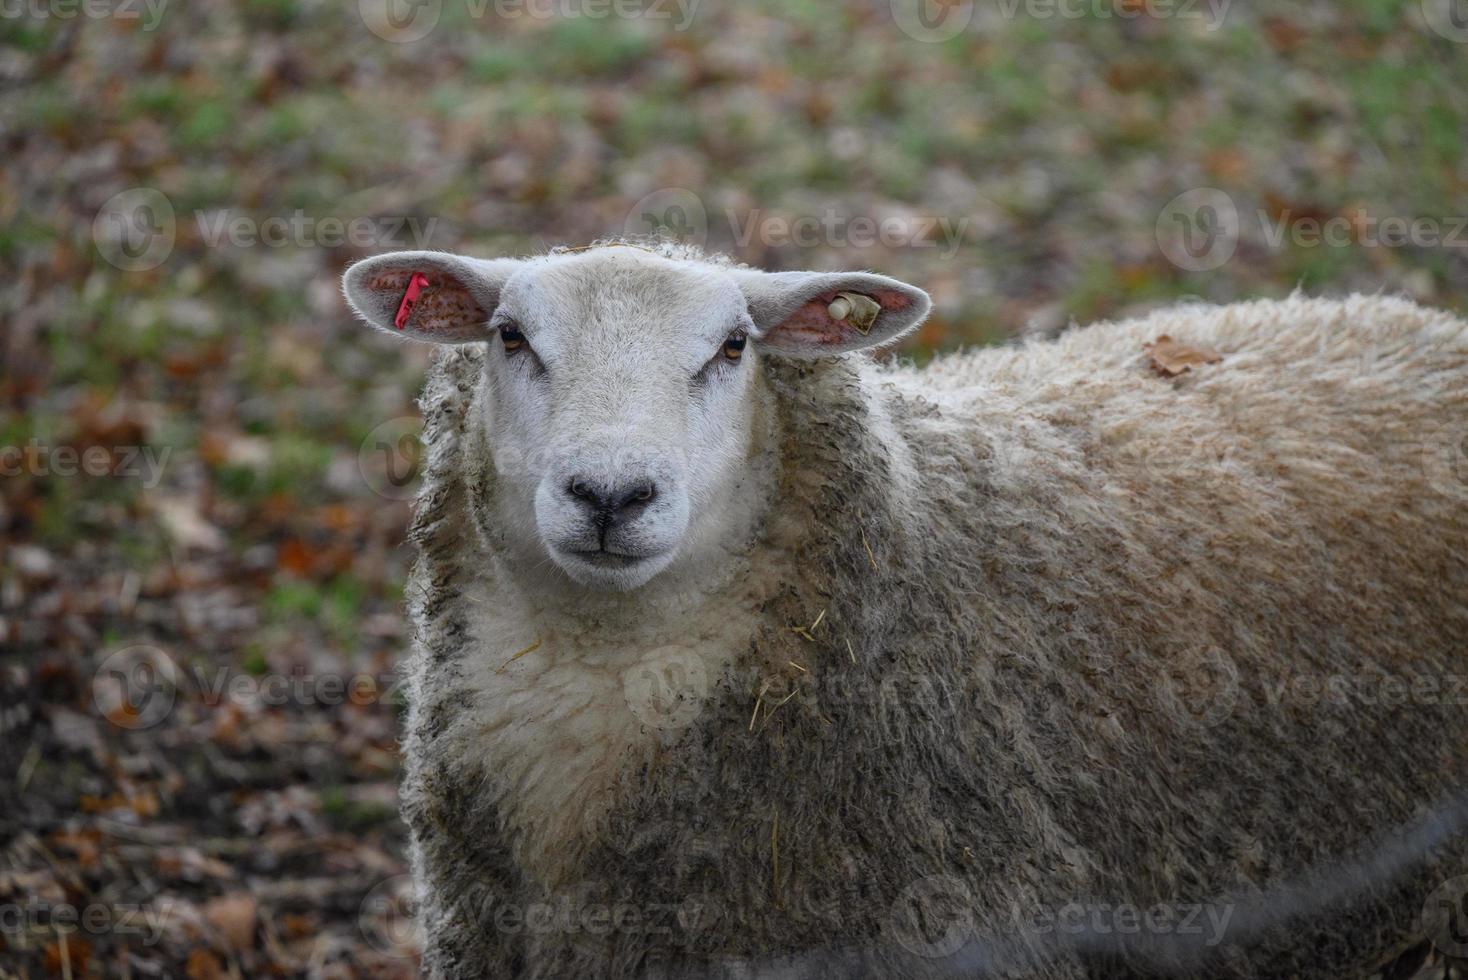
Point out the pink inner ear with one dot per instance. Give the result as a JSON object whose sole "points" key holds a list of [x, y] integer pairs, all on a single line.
{"points": [[441, 305], [812, 323]]}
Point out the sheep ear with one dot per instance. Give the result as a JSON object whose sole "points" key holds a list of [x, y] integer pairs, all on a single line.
{"points": [[817, 314], [432, 296]]}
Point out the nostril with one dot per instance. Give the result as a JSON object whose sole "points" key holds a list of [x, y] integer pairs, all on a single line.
{"points": [[608, 502]]}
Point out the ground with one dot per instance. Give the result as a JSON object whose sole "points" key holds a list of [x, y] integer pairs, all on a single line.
{"points": [[205, 460]]}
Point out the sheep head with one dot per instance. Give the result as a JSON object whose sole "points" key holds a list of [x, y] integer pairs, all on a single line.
{"points": [[620, 385]]}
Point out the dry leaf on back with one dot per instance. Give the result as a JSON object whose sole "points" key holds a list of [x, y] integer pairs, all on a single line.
{"points": [[1169, 358]]}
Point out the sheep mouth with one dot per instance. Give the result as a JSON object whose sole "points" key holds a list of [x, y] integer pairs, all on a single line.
{"points": [[609, 559]]}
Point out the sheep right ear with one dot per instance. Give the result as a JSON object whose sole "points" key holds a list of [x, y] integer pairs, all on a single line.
{"points": [[819, 314], [431, 296]]}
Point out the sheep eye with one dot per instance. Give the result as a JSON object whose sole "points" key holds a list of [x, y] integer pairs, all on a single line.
{"points": [[514, 340], [734, 346]]}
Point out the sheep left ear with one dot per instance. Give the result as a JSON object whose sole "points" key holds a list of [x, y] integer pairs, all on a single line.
{"points": [[818, 314], [435, 297]]}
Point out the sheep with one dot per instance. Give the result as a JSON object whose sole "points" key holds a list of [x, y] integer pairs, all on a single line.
{"points": [[739, 652]]}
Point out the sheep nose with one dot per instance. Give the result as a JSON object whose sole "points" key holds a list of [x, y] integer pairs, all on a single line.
{"points": [[609, 503]]}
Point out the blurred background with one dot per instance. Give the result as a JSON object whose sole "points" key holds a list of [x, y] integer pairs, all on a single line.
{"points": [[205, 463]]}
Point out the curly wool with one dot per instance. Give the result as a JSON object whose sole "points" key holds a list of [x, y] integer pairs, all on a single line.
{"points": [[1026, 628]]}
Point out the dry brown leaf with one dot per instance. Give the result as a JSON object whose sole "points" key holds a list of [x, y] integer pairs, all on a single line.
{"points": [[204, 965], [83, 844], [296, 926], [69, 956], [234, 917], [191, 864], [1170, 358]]}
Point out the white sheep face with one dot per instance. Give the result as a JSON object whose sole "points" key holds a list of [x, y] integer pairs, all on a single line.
{"points": [[620, 407], [620, 387]]}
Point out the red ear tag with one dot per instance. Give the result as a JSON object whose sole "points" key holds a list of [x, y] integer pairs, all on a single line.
{"points": [[405, 308]]}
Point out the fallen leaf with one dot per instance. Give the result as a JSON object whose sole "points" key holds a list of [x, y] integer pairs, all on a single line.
{"points": [[297, 556], [68, 956], [295, 926], [234, 917], [1169, 358], [191, 864], [181, 518], [83, 844], [204, 965]]}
